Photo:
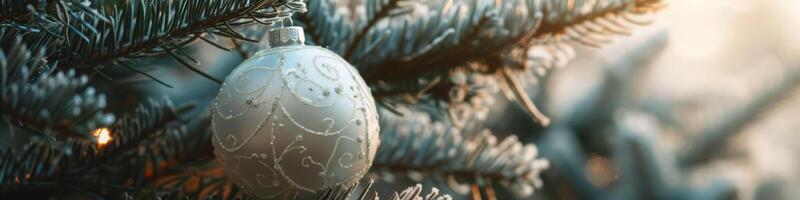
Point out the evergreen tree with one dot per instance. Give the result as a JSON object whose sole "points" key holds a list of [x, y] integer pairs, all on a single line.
{"points": [[82, 119]]}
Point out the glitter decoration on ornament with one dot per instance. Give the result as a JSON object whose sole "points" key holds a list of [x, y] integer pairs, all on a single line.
{"points": [[294, 118]]}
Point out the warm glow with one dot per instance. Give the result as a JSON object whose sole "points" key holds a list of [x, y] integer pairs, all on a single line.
{"points": [[601, 171], [103, 136]]}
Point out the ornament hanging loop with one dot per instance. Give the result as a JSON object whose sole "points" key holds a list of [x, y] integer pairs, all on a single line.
{"points": [[283, 21], [287, 9]]}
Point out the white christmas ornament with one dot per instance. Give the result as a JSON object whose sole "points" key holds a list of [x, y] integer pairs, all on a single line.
{"points": [[294, 118]]}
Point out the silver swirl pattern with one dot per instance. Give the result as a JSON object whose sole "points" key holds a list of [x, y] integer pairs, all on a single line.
{"points": [[294, 119]]}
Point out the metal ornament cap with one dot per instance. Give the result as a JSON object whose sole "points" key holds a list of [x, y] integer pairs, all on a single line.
{"points": [[287, 36]]}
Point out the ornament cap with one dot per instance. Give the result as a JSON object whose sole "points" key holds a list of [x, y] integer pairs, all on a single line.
{"points": [[286, 36]]}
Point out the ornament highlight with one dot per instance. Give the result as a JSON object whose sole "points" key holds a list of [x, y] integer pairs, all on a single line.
{"points": [[294, 118]]}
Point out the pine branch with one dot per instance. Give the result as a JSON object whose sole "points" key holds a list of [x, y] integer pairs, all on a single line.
{"points": [[247, 49], [194, 180], [148, 119], [35, 99], [410, 193], [327, 26], [28, 10], [376, 10], [142, 145], [618, 82], [124, 134], [313, 34], [141, 28], [12, 10], [36, 162], [48, 20], [432, 40], [636, 155], [523, 97], [415, 143], [568, 160], [38, 172], [188, 173], [719, 132], [547, 56], [519, 28], [206, 179], [570, 19], [41, 170], [173, 149], [40, 101]]}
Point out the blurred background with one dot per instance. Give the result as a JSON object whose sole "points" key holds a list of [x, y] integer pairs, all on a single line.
{"points": [[709, 90], [700, 104]]}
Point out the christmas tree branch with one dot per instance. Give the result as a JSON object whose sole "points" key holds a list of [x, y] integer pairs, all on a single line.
{"points": [[413, 142], [174, 149], [612, 93], [51, 104], [327, 26], [429, 40], [20, 12], [175, 168], [36, 99], [36, 161], [148, 119], [203, 178], [137, 28], [733, 122], [410, 193], [14, 10], [375, 11], [520, 28], [38, 172], [140, 145], [570, 19]]}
